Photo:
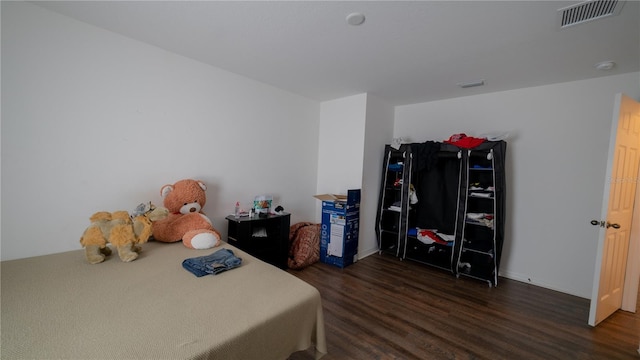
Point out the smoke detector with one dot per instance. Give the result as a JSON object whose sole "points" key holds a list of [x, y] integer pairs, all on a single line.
{"points": [[605, 65], [355, 19]]}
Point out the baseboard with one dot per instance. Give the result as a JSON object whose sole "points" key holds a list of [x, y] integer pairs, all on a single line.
{"points": [[527, 280], [505, 274], [366, 253]]}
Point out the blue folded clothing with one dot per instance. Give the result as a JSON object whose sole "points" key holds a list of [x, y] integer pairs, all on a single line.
{"points": [[215, 263], [395, 167]]}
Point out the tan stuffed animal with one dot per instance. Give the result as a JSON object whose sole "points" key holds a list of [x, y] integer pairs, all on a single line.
{"points": [[187, 222], [119, 229]]}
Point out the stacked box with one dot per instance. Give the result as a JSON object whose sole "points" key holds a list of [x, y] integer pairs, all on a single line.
{"points": [[340, 227]]}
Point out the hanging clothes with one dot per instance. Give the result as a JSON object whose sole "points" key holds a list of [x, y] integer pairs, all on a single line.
{"points": [[425, 155], [437, 184]]}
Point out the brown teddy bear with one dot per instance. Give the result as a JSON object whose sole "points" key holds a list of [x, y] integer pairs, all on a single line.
{"points": [[185, 200], [122, 230]]}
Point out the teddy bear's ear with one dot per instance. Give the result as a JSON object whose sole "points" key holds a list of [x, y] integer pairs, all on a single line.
{"points": [[166, 190], [202, 185]]}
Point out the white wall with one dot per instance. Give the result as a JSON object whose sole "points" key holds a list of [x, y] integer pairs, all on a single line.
{"points": [[353, 131], [95, 121], [341, 142], [556, 163], [340, 149], [378, 132]]}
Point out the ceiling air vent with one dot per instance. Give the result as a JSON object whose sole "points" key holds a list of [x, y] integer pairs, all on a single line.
{"points": [[587, 11]]}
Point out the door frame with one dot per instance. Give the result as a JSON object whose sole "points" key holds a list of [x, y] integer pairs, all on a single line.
{"points": [[632, 276]]}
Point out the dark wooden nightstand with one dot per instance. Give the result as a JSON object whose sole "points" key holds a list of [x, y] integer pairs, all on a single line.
{"points": [[266, 238]]}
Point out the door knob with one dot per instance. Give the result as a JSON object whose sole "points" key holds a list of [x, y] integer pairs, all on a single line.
{"points": [[615, 226], [602, 224]]}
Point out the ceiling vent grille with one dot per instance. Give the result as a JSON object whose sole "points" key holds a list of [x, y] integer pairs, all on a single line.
{"points": [[588, 11]]}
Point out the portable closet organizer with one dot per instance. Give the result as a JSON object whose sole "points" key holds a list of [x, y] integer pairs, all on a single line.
{"points": [[457, 223], [393, 205]]}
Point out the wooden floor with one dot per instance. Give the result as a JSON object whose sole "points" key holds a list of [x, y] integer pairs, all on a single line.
{"points": [[384, 308]]}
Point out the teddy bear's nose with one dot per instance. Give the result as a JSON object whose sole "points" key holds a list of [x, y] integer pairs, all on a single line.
{"points": [[192, 210]]}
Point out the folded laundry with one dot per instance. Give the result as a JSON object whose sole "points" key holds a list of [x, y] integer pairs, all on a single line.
{"points": [[215, 263], [446, 237], [464, 141], [480, 219], [432, 236], [482, 195]]}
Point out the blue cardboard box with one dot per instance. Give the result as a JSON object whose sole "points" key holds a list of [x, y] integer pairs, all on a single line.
{"points": [[340, 228]]}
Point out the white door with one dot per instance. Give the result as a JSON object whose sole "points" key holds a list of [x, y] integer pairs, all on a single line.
{"points": [[617, 214]]}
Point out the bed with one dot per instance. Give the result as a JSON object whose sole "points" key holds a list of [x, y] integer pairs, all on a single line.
{"points": [[59, 306]]}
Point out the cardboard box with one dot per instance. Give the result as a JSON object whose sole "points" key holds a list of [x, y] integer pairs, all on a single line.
{"points": [[340, 228]]}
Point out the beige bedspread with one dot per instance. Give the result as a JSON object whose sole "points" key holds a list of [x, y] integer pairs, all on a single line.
{"points": [[60, 307]]}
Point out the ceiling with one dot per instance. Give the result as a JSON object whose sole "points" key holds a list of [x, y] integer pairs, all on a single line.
{"points": [[405, 52]]}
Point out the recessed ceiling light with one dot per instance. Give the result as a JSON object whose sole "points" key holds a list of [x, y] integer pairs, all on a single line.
{"points": [[355, 19], [605, 65]]}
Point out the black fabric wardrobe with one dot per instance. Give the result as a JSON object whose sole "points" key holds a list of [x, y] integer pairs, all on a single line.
{"points": [[437, 229]]}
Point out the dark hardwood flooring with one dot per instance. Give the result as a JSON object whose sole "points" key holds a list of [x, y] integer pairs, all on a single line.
{"points": [[384, 308]]}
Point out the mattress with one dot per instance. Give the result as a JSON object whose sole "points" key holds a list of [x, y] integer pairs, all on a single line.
{"points": [[59, 306]]}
